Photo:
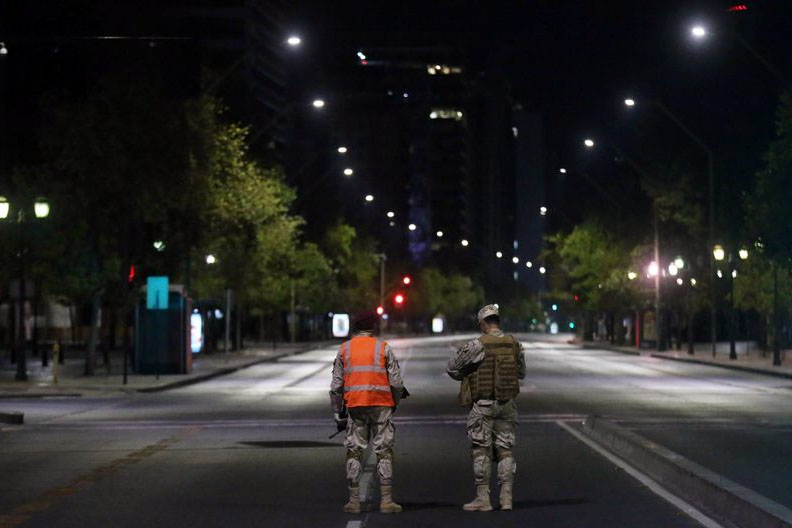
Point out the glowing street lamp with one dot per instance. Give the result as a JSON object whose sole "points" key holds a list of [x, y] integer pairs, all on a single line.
{"points": [[348, 172], [543, 211], [465, 243], [41, 208], [679, 263], [210, 259], [342, 150], [631, 275], [498, 254], [562, 170], [3, 49], [439, 234], [515, 260], [542, 270], [743, 253], [412, 227], [528, 264], [4, 207], [718, 252], [629, 102], [672, 269], [369, 197], [294, 41], [588, 142], [653, 269], [698, 31], [318, 103]]}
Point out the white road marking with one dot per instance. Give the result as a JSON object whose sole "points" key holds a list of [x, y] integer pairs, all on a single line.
{"points": [[689, 509]]}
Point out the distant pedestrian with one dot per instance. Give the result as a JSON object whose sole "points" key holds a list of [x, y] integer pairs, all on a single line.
{"points": [[367, 380], [490, 368]]}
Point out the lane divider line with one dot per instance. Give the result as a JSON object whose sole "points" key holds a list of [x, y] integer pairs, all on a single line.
{"points": [[644, 479], [53, 496]]}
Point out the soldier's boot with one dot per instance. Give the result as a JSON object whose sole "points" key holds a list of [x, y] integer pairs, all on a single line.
{"points": [[506, 496], [353, 506], [482, 500], [386, 501]]}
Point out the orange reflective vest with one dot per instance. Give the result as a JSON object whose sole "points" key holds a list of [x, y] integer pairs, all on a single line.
{"points": [[365, 376]]}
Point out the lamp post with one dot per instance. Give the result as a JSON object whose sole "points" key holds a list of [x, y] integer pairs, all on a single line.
{"points": [[721, 254], [710, 201], [41, 210], [590, 143], [700, 32]]}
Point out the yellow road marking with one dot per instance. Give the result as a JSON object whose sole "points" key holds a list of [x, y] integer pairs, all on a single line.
{"points": [[51, 497]]}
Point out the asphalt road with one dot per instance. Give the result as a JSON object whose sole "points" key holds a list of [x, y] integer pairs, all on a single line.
{"points": [[252, 448]]}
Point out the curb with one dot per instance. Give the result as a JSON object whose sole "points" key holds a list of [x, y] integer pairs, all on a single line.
{"points": [[12, 418], [743, 368], [31, 395], [752, 370], [721, 498], [223, 372]]}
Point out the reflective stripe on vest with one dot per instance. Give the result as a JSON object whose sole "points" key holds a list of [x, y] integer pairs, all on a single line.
{"points": [[365, 374]]}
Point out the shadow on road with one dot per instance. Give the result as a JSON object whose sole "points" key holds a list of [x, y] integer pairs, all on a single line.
{"points": [[553, 502], [291, 444]]}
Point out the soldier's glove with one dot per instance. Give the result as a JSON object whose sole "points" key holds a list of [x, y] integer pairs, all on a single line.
{"points": [[341, 422]]}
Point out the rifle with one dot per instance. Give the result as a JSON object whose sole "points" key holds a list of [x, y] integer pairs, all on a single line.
{"points": [[341, 426]]}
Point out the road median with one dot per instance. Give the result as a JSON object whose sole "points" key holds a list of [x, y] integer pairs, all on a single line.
{"points": [[717, 496]]}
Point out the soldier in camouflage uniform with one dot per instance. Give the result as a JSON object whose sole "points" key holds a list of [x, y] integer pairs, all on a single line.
{"points": [[490, 368]]}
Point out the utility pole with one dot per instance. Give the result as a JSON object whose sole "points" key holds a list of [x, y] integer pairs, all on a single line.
{"points": [[383, 257]]}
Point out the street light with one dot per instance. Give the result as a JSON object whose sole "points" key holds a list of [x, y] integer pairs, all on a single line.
{"points": [[528, 264], [342, 150], [464, 243], [390, 214], [631, 275], [588, 142], [210, 259], [439, 234], [41, 209], [3, 49], [412, 227], [294, 41], [498, 254], [698, 31], [348, 172], [369, 197], [629, 102], [542, 270], [718, 252], [653, 269], [515, 260], [318, 103], [543, 211], [562, 170], [710, 198]]}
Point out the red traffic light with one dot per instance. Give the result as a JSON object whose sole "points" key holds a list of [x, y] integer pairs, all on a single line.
{"points": [[406, 280], [131, 274], [577, 298], [380, 310], [399, 299]]}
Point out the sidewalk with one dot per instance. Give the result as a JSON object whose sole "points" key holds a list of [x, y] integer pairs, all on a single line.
{"points": [[107, 382], [749, 357]]}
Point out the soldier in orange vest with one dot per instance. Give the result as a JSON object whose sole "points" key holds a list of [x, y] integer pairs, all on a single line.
{"points": [[367, 380]]}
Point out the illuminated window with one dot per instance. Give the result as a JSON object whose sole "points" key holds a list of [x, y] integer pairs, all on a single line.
{"points": [[446, 113], [442, 69]]}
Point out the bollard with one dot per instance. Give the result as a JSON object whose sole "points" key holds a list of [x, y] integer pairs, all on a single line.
{"points": [[56, 360]]}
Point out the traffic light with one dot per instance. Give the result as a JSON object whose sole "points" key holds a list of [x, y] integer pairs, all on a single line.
{"points": [[406, 280], [380, 310], [131, 274], [399, 299], [577, 297]]}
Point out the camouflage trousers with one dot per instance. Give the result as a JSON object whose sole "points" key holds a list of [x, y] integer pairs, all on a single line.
{"points": [[374, 424], [491, 423]]}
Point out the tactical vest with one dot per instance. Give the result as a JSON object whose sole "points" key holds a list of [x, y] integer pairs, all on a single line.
{"points": [[496, 376], [366, 380]]}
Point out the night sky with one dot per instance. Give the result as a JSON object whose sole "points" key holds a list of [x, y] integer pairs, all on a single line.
{"points": [[576, 61]]}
